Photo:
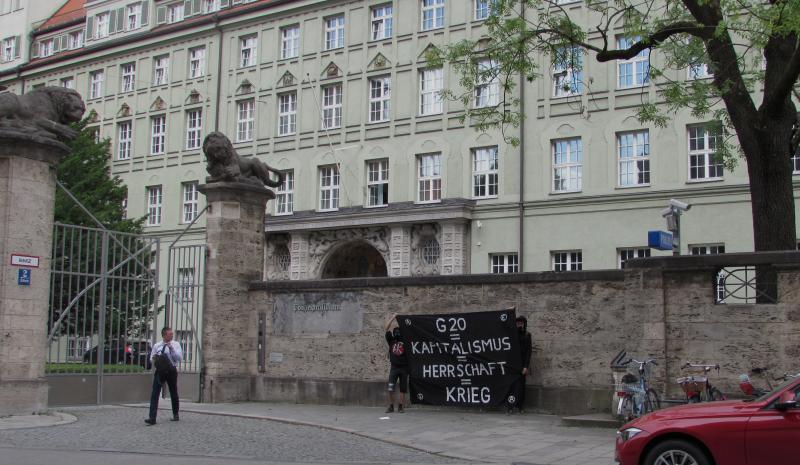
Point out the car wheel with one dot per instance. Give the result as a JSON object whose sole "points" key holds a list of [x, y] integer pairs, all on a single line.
{"points": [[676, 452]]}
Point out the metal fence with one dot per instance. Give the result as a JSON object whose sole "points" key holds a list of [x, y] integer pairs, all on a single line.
{"points": [[103, 303], [746, 285], [184, 301]]}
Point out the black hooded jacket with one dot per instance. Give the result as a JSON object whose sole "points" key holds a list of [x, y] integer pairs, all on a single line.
{"points": [[525, 343], [397, 350]]}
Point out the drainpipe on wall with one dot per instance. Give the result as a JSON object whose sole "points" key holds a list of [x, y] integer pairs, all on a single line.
{"points": [[219, 72], [521, 257]]}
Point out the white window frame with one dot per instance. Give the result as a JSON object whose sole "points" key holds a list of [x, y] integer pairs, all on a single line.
{"points": [[245, 120], [248, 50], [567, 158], [568, 72], [96, 79], [133, 16], [155, 198], [102, 22], [381, 22], [334, 32], [566, 260], [290, 42], [380, 99], [128, 76], [377, 183], [124, 140], [194, 128], [703, 159], [332, 106], [197, 62], [429, 178], [287, 113], [431, 83], [175, 13], [161, 70], [329, 185], [640, 165], [46, 47], [796, 162], [638, 66], [698, 70], [185, 294], [431, 14], [483, 9], [487, 88], [284, 195], [68, 82], [629, 253], [485, 173], [707, 249], [76, 39], [158, 134], [210, 6], [503, 263], [9, 45], [190, 201]]}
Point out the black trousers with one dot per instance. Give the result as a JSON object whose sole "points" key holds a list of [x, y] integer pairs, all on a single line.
{"points": [[172, 382], [518, 393]]}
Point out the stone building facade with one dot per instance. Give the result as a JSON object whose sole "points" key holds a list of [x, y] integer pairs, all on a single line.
{"points": [[383, 176]]}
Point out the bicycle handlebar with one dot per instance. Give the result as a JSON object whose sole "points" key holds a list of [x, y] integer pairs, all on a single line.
{"points": [[651, 361], [706, 368]]}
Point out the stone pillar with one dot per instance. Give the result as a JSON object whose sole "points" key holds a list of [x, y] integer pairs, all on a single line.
{"points": [[27, 199], [454, 248], [298, 249], [400, 251], [235, 241]]}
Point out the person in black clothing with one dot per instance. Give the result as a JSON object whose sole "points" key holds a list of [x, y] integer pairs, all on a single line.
{"points": [[526, 349], [398, 372]]}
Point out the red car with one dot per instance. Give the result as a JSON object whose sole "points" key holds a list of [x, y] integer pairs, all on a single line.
{"points": [[764, 431]]}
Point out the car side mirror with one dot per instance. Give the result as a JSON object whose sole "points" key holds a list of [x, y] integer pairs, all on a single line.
{"points": [[786, 402]]}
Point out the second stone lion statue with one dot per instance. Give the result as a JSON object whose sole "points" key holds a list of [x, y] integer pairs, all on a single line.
{"points": [[225, 165], [41, 115]]}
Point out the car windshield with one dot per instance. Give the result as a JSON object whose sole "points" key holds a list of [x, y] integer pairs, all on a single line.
{"points": [[778, 388]]}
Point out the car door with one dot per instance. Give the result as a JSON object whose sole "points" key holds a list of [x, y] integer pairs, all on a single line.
{"points": [[772, 436]]}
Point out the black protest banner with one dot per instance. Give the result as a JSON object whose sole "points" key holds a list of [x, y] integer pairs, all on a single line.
{"points": [[466, 359]]}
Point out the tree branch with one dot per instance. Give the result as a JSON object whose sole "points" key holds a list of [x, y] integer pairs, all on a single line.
{"points": [[782, 89], [655, 39]]}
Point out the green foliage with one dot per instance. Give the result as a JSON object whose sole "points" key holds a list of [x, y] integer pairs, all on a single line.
{"points": [[86, 173]]}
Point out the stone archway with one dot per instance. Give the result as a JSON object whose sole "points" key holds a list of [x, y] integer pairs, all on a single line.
{"points": [[356, 259]]}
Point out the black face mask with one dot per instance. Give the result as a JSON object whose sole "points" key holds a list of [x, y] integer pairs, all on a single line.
{"points": [[521, 329], [396, 333]]}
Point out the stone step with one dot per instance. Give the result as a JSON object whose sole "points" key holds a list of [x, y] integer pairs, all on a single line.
{"points": [[592, 420]]}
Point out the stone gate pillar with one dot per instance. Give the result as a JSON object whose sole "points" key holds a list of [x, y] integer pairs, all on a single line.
{"points": [[235, 241], [27, 199]]}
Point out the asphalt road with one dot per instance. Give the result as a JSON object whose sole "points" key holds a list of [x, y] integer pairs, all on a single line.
{"points": [[117, 435]]}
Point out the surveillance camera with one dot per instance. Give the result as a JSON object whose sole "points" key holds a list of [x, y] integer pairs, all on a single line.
{"points": [[679, 205], [667, 212]]}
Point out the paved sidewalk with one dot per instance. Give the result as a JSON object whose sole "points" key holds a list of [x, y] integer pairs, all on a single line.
{"points": [[36, 421], [473, 436]]}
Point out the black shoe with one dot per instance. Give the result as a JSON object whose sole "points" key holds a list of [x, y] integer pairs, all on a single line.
{"points": [[390, 409], [175, 418], [400, 409], [150, 421]]}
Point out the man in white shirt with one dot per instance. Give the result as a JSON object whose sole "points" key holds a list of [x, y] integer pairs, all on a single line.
{"points": [[165, 357]]}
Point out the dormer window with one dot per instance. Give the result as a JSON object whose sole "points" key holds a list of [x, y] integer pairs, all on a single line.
{"points": [[76, 39], [134, 16], [175, 13], [102, 25]]}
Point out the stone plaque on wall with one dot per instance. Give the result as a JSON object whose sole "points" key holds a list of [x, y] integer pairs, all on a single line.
{"points": [[318, 313]]}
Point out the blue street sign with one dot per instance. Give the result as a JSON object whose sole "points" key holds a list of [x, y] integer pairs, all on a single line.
{"points": [[24, 277], [660, 240]]}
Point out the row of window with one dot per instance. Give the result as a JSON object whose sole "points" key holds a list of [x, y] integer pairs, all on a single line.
{"points": [[154, 196]]}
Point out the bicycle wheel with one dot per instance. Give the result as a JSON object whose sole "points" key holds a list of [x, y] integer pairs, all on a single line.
{"points": [[625, 411], [651, 401], [715, 394]]}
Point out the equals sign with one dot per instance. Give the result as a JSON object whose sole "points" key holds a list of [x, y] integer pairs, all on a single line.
{"points": [[461, 358], [466, 382], [455, 337]]}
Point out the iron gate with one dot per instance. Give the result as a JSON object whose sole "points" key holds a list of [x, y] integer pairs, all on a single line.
{"points": [[103, 313]]}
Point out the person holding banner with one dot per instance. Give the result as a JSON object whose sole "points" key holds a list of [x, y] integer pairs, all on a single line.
{"points": [[398, 372], [526, 349]]}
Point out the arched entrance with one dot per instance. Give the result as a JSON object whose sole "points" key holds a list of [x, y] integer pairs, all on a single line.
{"points": [[355, 260]]}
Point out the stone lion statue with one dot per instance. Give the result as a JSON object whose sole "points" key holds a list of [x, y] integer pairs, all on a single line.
{"points": [[41, 115], [225, 165]]}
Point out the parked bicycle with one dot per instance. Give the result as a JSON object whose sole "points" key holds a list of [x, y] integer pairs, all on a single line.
{"points": [[637, 398], [746, 383], [697, 387]]}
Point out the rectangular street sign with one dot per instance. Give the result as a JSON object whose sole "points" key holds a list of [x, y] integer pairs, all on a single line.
{"points": [[24, 260], [660, 240], [24, 277]]}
